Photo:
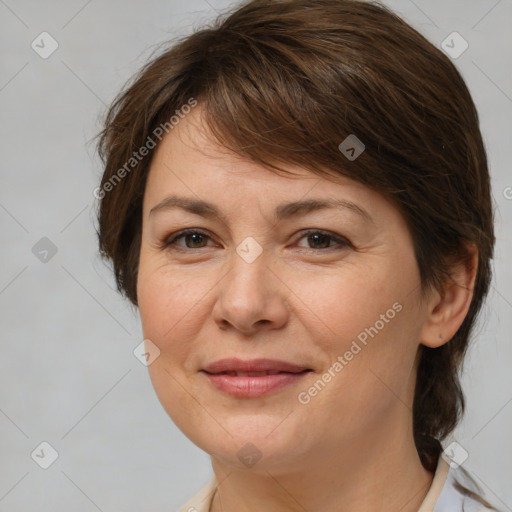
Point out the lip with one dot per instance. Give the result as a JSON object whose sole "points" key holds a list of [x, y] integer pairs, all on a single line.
{"points": [[253, 365], [247, 386]]}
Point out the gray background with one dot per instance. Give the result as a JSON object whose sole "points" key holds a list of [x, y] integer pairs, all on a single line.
{"points": [[68, 373]]}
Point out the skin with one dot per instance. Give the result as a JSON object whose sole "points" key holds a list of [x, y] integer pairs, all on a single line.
{"points": [[351, 447]]}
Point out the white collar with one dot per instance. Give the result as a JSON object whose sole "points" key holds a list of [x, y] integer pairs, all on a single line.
{"points": [[442, 496]]}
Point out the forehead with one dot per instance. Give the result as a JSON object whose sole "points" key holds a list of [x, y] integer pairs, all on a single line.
{"points": [[190, 161]]}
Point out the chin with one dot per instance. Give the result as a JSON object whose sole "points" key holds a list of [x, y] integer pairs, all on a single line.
{"points": [[253, 443]]}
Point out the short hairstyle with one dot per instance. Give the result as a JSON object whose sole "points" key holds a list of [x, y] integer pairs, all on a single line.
{"points": [[285, 82]]}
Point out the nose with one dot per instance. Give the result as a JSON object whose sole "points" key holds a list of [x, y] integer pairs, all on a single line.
{"points": [[251, 297]]}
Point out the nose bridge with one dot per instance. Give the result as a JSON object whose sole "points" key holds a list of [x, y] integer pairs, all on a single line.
{"points": [[251, 294], [248, 279]]}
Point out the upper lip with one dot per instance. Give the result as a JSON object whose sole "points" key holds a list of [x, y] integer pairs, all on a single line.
{"points": [[253, 365]]}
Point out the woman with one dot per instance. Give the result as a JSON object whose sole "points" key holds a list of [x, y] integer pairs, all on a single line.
{"points": [[308, 241]]}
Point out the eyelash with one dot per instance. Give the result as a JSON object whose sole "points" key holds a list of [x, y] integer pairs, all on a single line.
{"points": [[170, 242]]}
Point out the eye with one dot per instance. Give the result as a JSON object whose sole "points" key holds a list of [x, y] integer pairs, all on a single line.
{"points": [[322, 240], [193, 238]]}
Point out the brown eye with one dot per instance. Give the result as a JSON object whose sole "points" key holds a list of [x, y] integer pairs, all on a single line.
{"points": [[320, 240], [193, 239], [196, 240], [323, 240]]}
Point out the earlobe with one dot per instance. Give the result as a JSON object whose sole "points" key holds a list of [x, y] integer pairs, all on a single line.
{"points": [[447, 309]]}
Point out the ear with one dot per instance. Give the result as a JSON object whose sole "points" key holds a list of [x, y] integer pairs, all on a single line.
{"points": [[446, 309]]}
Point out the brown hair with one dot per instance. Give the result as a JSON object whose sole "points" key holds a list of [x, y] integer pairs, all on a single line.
{"points": [[285, 82]]}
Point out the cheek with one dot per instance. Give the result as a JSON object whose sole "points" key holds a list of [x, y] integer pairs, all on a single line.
{"points": [[166, 304], [346, 302], [385, 370], [180, 399], [166, 298], [370, 319], [169, 303]]}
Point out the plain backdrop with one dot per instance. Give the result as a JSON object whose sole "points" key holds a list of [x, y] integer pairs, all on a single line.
{"points": [[68, 373]]}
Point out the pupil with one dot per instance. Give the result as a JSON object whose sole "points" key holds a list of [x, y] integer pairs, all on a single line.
{"points": [[196, 238], [320, 236]]}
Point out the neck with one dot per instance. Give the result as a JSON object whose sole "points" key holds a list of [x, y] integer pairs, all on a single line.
{"points": [[378, 471]]}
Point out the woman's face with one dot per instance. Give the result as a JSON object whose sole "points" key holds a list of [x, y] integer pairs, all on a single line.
{"points": [[334, 290]]}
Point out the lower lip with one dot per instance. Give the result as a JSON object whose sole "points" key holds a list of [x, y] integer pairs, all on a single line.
{"points": [[251, 387]]}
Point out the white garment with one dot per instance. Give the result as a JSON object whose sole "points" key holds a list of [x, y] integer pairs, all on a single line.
{"points": [[452, 499], [442, 496]]}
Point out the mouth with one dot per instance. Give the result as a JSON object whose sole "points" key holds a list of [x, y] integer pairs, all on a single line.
{"points": [[253, 366], [255, 378]]}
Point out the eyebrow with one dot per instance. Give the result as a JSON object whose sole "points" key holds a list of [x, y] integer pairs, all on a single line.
{"points": [[282, 212]]}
